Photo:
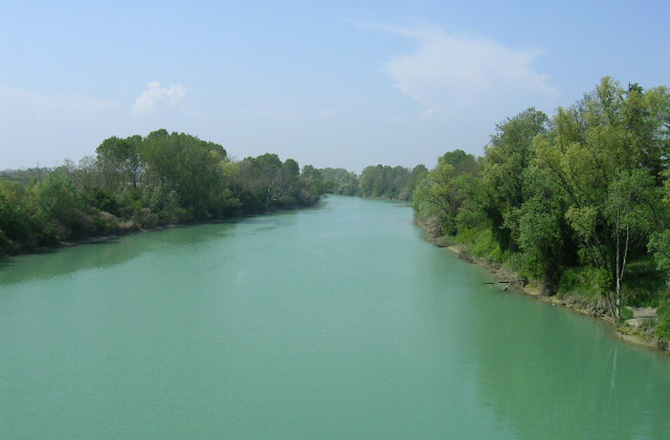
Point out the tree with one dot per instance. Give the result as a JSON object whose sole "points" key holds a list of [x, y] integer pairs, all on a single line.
{"points": [[383, 181], [16, 226], [121, 162], [418, 173], [313, 180], [646, 117], [541, 232], [58, 208], [267, 184], [440, 195], [188, 166], [506, 166], [592, 157], [629, 209], [340, 181], [659, 241]]}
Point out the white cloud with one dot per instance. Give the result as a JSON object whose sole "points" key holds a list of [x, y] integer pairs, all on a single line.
{"points": [[156, 98], [449, 73]]}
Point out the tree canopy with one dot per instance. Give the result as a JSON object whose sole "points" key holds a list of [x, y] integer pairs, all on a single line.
{"points": [[585, 188], [139, 182]]}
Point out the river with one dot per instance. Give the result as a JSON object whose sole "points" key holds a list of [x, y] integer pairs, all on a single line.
{"points": [[338, 322]]}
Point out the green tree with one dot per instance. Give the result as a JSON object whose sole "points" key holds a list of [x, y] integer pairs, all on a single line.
{"points": [[188, 166], [58, 209], [16, 226], [383, 181], [418, 173], [267, 184], [440, 195], [539, 228], [592, 157], [313, 181], [121, 162], [340, 181], [506, 166]]}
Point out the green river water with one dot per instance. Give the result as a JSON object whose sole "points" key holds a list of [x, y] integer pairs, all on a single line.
{"points": [[337, 322]]}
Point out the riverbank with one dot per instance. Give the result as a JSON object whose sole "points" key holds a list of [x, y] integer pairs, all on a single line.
{"points": [[635, 330], [124, 228]]}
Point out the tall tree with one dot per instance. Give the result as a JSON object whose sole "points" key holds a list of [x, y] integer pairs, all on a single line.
{"points": [[188, 166], [439, 196], [506, 166], [595, 160]]}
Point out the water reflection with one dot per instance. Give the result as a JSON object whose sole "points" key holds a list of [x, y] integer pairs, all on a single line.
{"points": [[547, 373], [108, 252]]}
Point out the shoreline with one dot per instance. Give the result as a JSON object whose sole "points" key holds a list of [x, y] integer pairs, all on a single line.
{"points": [[94, 239], [626, 333], [136, 229]]}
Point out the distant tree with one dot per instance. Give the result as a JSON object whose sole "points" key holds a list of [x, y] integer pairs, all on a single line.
{"points": [[439, 196], [121, 162], [383, 181], [58, 208], [340, 181], [313, 180], [16, 226]]}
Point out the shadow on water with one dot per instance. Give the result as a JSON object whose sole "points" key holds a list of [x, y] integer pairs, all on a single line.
{"points": [[109, 252], [97, 254]]}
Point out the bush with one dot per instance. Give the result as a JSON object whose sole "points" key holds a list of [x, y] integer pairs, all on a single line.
{"points": [[663, 327], [486, 246], [584, 281], [644, 284], [626, 313]]}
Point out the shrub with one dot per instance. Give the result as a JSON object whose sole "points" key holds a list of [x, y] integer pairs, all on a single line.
{"points": [[663, 327], [584, 280], [486, 246]]}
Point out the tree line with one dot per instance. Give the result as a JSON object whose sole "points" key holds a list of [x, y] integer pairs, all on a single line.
{"points": [[143, 182], [378, 181], [581, 198]]}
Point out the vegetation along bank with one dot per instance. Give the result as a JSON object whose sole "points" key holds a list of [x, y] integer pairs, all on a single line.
{"points": [[578, 204], [144, 182], [573, 208]]}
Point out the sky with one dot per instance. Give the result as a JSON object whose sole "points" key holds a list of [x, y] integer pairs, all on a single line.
{"points": [[328, 83]]}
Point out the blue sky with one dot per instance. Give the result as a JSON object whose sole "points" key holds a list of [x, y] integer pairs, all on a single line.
{"points": [[340, 83]]}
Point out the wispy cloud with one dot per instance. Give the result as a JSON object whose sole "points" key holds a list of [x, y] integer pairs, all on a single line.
{"points": [[449, 73], [156, 97]]}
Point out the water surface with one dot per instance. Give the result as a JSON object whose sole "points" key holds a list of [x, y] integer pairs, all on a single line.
{"points": [[338, 322]]}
